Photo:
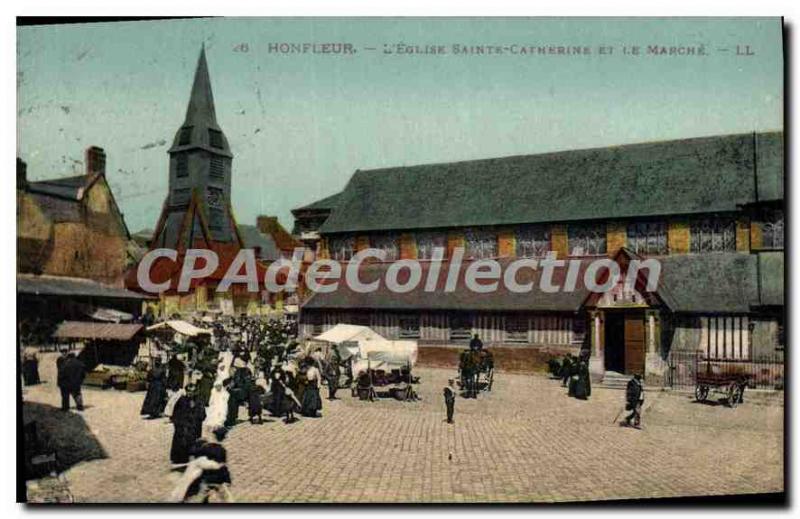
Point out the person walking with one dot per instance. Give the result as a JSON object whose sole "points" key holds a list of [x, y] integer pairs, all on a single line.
{"points": [[634, 398], [450, 399], [71, 373], [155, 401]]}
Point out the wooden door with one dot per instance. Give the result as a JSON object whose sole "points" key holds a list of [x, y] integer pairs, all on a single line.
{"points": [[634, 344]]}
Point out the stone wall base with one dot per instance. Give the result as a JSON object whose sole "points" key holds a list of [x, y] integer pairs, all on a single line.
{"points": [[523, 359]]}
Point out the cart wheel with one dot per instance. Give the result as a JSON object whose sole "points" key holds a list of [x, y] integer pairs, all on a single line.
{"points": [[701, 392], [733, 396]]}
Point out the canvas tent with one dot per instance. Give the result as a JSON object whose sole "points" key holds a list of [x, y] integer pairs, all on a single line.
{"points": [[368, 349], [182, 327]]}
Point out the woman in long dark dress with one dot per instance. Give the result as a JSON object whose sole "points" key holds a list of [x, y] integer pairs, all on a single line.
{"points": [[177, 372], [583, 386], [156, 399], [30, 369], [187, 418], [311, 399]]}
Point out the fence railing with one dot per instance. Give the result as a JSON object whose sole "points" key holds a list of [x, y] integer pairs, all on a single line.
{"points": [[762, 373]]}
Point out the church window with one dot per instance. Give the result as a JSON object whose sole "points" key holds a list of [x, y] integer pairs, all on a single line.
{"points": [[343, 248], [713, 235], [480, 244], [532, 242], [772, 230], [215, 138], [648, 238], [387, 244], [182, 166], [587, 240], [427, 242]]}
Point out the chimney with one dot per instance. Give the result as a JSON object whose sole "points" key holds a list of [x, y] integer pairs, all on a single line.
{"points": [[95, 161], [266, 224], [22, 174]]}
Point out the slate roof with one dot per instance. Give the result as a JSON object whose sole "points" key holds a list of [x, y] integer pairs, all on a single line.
{"points": [[327, 203], [201, 114], [68, 286], [459, 299], [771, 278], [253, 238], [713, 282], [70, 188], [703, 283], [697, 175]]}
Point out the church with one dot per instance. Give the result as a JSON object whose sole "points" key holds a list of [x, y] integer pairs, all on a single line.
{"points": [[197, 212], [710, 209]]}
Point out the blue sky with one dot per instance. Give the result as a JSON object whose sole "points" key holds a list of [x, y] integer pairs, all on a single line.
{"points": [[299, 125]]}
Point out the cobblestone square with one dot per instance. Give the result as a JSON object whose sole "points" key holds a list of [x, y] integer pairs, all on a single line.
{"points": [[524, 441]]}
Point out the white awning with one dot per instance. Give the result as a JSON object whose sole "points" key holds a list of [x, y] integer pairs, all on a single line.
{"points": [[181, 327]]}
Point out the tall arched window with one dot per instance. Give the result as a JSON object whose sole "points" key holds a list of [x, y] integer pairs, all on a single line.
{"points": [[388, 243], [648, 238], [480, 244], [587, 240], [427, 242], [532, 242], [342, 248], [713, 235]]}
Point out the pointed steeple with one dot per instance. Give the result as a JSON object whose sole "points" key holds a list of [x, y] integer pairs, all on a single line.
{"points": [[200, 128], [200, 111]]}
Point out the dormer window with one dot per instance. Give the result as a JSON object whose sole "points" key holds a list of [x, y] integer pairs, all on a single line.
{"points": [[185, 136], [215, 138]]}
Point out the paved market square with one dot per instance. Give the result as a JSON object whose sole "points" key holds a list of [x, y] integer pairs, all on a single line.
{"points": [[524, 441]]}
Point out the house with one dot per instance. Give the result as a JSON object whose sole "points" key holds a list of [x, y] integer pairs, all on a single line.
{"points": [[710, 209]]}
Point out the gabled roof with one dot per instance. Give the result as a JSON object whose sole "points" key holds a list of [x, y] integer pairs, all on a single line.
{"points": [[70, 188], [688, 176]]}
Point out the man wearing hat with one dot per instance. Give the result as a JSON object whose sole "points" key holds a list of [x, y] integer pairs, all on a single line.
{"points": [[450, 399], [634, 398], [187, 417]]}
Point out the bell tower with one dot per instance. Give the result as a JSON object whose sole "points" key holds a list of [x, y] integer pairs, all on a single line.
{"points": [[197, 211]]}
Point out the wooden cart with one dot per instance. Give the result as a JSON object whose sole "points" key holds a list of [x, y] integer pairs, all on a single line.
{"points": [[731, 385]]}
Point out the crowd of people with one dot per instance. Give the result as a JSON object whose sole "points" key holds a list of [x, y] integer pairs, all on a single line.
{"points": [[202, 387]]}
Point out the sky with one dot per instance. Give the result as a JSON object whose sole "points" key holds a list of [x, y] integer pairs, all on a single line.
{"points": [[299, 125]]}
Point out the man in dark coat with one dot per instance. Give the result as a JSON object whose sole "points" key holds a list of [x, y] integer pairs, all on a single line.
{"points": [[566, 369], [71, 373], [450, 399], [476, 343], [332, 374], [187, 418], [583, 386], [634, 398], [156, 398], [177, 372]]}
